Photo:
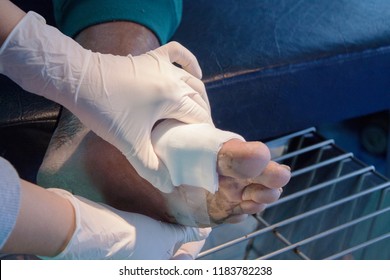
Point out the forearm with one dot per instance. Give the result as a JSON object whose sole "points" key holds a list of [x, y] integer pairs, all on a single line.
{"points": [[44, 225], [41, 60], [10, 15]]}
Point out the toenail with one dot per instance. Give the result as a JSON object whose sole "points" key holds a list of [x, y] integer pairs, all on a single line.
{"points": [[286, 167]]}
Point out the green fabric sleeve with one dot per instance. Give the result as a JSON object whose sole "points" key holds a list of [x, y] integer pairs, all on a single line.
{"points": [[161, 16]]}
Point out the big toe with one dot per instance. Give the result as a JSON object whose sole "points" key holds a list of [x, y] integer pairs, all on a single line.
{"points": [[239, 159]]}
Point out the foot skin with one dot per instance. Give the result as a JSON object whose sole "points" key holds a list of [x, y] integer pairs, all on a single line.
{"points": [[248, 181], [87, 165]]}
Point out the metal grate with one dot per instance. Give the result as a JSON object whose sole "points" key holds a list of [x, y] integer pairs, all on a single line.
{"points": [[334, 207]]}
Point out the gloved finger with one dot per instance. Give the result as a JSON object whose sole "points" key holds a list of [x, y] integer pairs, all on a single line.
{"points": [[274, 176], [196, 91], [242, 160], [201, 101], [260, 194], [199, 87], [176, 53], [189, 112]]}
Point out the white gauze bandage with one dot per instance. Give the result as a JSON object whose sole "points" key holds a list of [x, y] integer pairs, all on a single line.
{"points": [[190, 152]]}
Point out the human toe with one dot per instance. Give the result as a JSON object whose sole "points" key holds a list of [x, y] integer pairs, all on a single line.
{"points": [[249, 208], [274, 176], [239, 159], [260, 194]]}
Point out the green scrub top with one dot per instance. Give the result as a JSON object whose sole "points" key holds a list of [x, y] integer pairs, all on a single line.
{"points": [[161, 16]]}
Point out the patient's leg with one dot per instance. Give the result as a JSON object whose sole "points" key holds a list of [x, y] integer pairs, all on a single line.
{"points": [[84, 164]]}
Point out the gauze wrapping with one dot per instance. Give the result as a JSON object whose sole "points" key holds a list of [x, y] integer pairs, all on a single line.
{"points": [[190, 152]]}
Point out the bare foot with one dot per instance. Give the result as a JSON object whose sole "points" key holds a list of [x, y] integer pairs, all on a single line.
{"points": [[88, 166], [81, 162], [248, 181]]}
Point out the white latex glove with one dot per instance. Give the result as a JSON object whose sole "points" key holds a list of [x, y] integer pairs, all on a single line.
{"points": [[119, 98], [189, 251], [103, 232]]}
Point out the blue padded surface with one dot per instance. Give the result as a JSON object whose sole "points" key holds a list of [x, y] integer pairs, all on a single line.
{"points": [[231, 36], [274, 66], [279, 65]]}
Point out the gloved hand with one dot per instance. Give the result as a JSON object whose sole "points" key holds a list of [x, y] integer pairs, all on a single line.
{"points": [[189, 251], [103, 232], [119, 98]]}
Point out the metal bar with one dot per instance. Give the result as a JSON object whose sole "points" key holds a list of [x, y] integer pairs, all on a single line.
{"points": [[284, 240], [330, 192], [320, 186], [318, 151], [293, 219], [380, 205], [304, 150], [292, 135], [360, 246], [358, 188], [321, 164], [325, 233], [309, 182], [249, 247], [299, 146]]}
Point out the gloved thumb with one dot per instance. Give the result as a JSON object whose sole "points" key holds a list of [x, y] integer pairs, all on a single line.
{"points": [[176, 53]]}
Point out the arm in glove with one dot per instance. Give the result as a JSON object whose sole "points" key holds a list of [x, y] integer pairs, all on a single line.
{"points": [[103, 232], [119, 98]]}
